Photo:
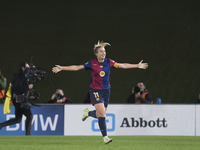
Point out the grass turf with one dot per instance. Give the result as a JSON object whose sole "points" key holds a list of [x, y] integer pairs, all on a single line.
{"points": [[96, 143]]}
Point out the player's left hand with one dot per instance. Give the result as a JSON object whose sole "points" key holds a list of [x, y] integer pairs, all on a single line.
{"points": [[56, 69], [142, 65]]}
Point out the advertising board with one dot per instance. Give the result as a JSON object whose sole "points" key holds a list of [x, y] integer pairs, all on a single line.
{"points": [[47, 120]]}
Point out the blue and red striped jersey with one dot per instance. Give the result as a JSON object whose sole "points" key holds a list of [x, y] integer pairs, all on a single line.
{"points": [[100, 73]]}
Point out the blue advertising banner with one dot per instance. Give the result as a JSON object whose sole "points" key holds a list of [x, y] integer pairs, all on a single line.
{"points": [[47, 120]]}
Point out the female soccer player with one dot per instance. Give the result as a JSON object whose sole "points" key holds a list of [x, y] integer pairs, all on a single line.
{"points": [[100, 85]]}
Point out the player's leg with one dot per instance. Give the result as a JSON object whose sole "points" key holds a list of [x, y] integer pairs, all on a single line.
{"points": [[101, 114], [94, 97], [106, 102], [88, 113], [92, 114]]}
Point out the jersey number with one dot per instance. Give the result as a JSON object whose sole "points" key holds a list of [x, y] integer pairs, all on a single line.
{"points": [[96, 94]]}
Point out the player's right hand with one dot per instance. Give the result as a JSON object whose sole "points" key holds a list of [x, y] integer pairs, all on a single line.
{"points": [[56, 69]]}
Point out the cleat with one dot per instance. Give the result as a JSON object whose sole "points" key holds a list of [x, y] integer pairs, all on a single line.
{"points": [[107, 140], [85, 115]]}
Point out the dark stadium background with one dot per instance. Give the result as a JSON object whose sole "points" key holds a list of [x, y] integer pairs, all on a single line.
{"points": [[164, 33]]}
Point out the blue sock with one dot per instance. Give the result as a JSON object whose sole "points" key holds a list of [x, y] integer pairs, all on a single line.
{"points": [[102, 125], [92, 114]]}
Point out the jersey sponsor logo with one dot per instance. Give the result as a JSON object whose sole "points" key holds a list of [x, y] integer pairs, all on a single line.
{"points": [[101, 66], [102, 74]]}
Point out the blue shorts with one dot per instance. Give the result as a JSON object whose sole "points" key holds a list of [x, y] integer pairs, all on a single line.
{"points": [[100, 96]]}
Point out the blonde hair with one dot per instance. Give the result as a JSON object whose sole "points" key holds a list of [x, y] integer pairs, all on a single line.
{"points": [[100, 44]]}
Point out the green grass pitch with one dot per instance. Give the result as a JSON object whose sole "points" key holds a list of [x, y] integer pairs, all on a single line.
{"points": [[96, 143]]}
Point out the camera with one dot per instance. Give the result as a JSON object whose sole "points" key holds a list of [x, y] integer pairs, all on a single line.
{"points": [[136, 89], [59, 96], [33, 93], [36, 74]]}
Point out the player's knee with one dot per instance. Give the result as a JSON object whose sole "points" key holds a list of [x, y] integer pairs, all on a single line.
{"points": [[101, 114]]}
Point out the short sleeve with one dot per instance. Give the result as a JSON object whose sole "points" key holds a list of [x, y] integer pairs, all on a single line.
{"points": [[113, 63], [88, 64]]}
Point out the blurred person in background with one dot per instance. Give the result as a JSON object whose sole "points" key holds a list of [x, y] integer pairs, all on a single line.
{"points": [[3, 83], [20, 88], [58, 97], [140, 95]]}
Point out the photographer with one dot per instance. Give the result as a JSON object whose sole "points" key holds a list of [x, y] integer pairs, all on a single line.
{"points": [[59, 97], [20, 90], [140, 95], [3, 83]]}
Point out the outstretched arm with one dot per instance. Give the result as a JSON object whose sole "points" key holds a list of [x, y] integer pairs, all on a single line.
{"points": [[140, 65], [58, 68]]}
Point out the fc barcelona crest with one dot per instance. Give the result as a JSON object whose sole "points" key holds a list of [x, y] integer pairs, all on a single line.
{"points": [[102, 73]]}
